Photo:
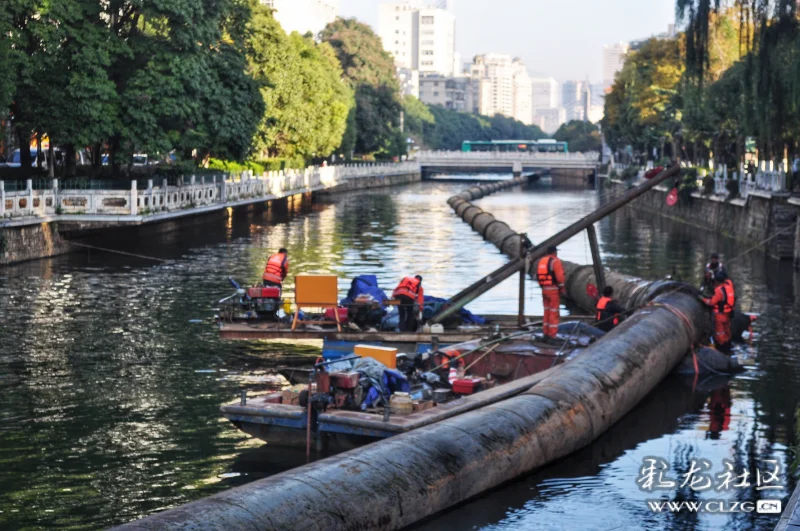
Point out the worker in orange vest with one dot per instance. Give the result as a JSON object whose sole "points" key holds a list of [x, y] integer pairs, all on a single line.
{"points": [[550, 274], [609, 312], [276, 269], [410, 294], [722, 303]]}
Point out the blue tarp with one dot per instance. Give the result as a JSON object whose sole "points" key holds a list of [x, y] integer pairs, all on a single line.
{"points": [[434, 304], [393, 381], [364, 285]]}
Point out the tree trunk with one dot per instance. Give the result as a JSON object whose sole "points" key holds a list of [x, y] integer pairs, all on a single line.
{"points": [[97, 156], [39, 151], [69, 160], [51, 161], [24, 148]]}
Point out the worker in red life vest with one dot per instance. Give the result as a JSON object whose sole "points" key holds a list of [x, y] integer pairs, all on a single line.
{"points": [[410, 294], [609, 312], [722, 303], [550, 274], [276, 269]]}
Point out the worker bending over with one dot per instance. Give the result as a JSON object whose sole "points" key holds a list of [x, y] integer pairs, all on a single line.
{"points": [[410, 294], [276, 269], [722, 303], [550, 274], [609, 312]]}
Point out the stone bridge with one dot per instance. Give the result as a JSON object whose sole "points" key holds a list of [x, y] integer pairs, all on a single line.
{"points": [[565, 169]]}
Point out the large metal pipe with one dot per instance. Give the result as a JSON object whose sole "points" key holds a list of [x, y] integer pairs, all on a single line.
{"points": [[466, 296], [630, 292], [396, 482]]}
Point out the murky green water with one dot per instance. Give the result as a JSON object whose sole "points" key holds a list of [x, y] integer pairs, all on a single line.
{"points": [[111, 372]]}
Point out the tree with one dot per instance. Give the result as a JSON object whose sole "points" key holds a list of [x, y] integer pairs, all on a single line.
{"points": [[581, 136], [307, 102], [416, 115], [642, 109], [449, 129], [370, 72]]}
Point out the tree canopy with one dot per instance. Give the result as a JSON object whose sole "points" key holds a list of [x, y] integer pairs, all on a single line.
{"points": [[449, 129], [369, 70], [307, 101], [581, 136]]}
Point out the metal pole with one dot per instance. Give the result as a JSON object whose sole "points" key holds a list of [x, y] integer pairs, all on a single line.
{"points": [[485, 284], [599, 274], [522, 272]]}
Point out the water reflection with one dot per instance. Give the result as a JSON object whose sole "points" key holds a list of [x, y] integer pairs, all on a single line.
{"points": [[111, 387]]}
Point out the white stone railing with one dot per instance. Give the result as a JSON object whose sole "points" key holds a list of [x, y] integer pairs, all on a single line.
{"points": [[158, 196], [768, 178]]}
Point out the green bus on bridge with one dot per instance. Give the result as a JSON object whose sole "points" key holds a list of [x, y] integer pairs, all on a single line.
{"points": [[517, 146]]}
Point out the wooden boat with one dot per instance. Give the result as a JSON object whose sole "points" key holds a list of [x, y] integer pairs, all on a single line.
{"points": [[511, 365]]}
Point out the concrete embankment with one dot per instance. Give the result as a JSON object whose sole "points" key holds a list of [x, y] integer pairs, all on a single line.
{"points": [[396, 482], [753, 220]]}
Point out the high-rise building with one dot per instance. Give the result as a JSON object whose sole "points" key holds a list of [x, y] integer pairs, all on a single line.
{"points": [[504, 86], [613, 59], [409, 81], [545, 93], [549, 120], [449, 92], [571, 92], [418, 36], [303, 16]]}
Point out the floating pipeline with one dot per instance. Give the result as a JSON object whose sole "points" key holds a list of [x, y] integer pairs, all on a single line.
{"points": [[632, 293], [398, 481]]}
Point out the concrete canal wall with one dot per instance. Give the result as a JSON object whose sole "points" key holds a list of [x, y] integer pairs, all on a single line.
{"points": [[35, 222], [754, 219]]}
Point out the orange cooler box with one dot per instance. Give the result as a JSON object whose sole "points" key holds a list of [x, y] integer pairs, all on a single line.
{"points": [[385, 355]]}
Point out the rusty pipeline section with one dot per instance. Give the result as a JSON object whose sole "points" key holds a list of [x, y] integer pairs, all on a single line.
{"points": [[398, 481]]}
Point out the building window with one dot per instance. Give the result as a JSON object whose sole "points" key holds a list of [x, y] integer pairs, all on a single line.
{"points": [[427, 63], [427, 20], [397, 18], [435, 83], [427, 52], [429, 43], [397, 32], [435, 94]]}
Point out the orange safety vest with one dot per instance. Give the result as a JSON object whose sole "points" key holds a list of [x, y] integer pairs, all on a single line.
{"points": [[276, 269], [601, 307], [409, 287], [725, 305], [544, 272]]}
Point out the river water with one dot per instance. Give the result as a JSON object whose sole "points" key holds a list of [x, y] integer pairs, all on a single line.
{"points": [[111, 371]]}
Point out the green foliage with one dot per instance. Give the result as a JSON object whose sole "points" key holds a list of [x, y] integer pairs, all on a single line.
{"points": [[417, 114], [642, 108], [581, 136], [369, 70], [449, 129], [132, 76], [307, 101]]}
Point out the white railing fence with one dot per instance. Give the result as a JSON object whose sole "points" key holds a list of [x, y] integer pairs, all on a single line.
{"points": [[768, 178], [190, 192]]}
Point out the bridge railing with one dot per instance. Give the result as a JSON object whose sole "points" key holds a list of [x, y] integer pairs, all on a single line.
{"points": [[184, 193], [436, 156]]}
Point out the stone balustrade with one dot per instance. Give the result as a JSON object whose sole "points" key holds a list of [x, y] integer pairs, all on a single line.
{"points": [[524, 156], [193, 193]]}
